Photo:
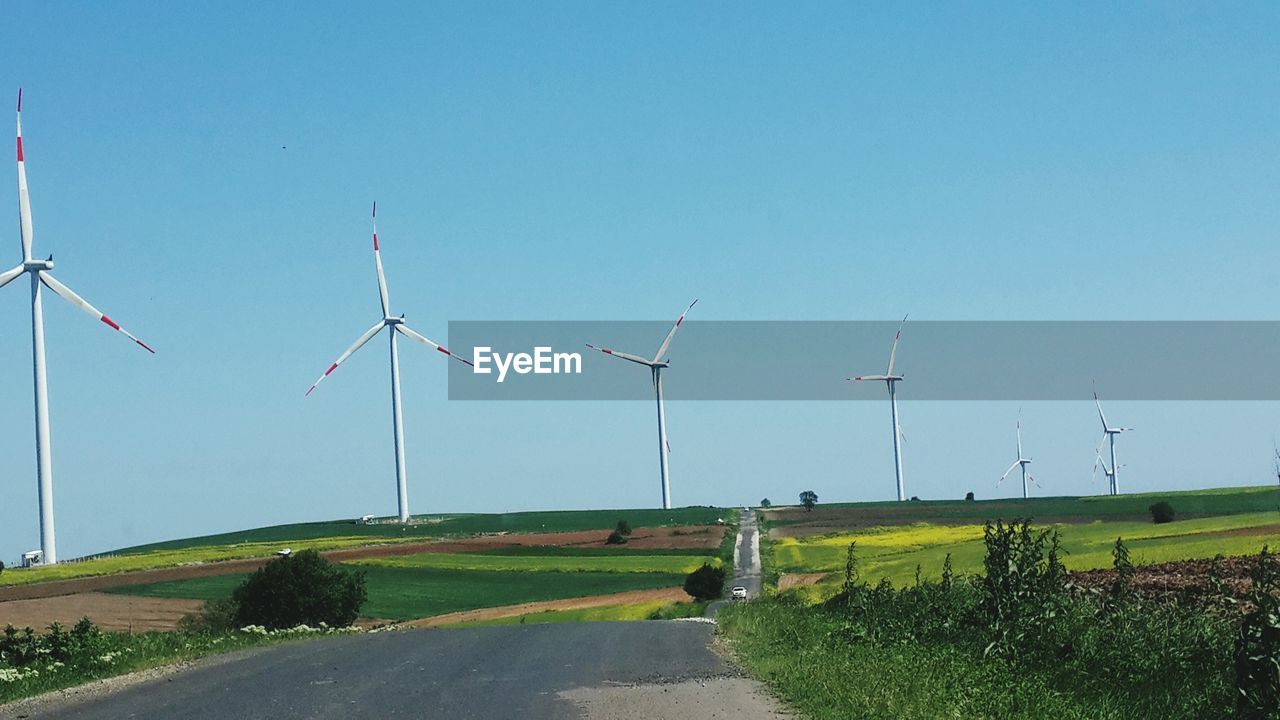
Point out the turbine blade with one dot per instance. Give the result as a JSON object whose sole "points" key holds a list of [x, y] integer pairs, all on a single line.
{"points": [[1006, 474], [893, 351], [620, 354], [24, 198], [1019, 430], [1097, 454], [377, 260], [8, 275], [667, 342], [70, 296], [440, 348], [1101, 417], [862, 378], [347, 353]]}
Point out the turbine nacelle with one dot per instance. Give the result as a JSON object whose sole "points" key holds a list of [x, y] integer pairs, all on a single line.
{"points": [[38, 265], [393, 320]]}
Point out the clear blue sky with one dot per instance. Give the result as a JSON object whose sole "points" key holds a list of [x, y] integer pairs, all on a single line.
{"points": [[582, 160]]}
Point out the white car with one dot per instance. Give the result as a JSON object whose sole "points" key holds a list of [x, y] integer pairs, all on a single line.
{"points": [[738, 593]]}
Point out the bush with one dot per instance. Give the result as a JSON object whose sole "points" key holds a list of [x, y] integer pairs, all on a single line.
{"points": [[302, 589], [1257, 651], [705, 583], [215, 617], [968, 497], [1161, 512], [624, 528], [1023, 586], [80, 645], [615, 538]]}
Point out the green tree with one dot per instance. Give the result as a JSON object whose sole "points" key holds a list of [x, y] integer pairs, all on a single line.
{"points": [[705, 583], [808, 499], [302, 589], [765, 503], [1162, 512]]}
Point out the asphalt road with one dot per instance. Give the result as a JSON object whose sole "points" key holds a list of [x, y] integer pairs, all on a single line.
{"points": [[746, 561], [649, 670], [493, 673]]}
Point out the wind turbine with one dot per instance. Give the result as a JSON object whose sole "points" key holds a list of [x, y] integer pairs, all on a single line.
{"points": [[656, 365], [1022, 462], [891, 381], [397, 326], [1108, 436], [40, 276]]}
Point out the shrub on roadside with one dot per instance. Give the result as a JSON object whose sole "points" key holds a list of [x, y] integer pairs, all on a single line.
{"points": [[302, 589], [83, 643], [705, 583], [215, 617], [1257, 648], [615, 538]]}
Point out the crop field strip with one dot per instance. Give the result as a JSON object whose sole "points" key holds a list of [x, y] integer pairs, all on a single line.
{"points": [[408, 593], [629, 563], [441, 526], [1236, 527], [1189, 504]]}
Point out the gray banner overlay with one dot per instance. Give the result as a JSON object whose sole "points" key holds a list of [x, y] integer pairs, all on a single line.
{"points": [[940, 360]]}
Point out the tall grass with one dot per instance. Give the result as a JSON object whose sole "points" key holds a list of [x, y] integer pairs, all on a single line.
{"points": [[1012, 641]]}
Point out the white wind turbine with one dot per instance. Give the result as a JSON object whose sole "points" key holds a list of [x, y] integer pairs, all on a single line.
{"points": [[891, 381], [39, 272], [1022, 462], [656, 366], [1108, 436], [397, 326]]}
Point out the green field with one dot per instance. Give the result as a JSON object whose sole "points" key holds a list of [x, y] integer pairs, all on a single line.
{"points": [[345, 534], [1228, 522], [438, 526], [409, 593], [617, 563], [1189, 504]]}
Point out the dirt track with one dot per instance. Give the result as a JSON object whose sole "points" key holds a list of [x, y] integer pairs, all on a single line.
{"points": [[110, 612], [506, 611]]}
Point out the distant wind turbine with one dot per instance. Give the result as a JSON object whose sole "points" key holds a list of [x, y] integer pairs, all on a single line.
{"points": [[1108, 436], [39, 272], [656, 365], [1021, 462], [397, 326], [891, 381]]}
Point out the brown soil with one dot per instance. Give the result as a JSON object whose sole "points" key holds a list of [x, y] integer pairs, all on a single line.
{"points": [[1182, 579], [704, 536], [506, 611], [790, 580], [109, 612]]}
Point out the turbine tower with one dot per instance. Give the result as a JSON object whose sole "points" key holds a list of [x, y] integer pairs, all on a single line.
{"points": [[656, 366], [397, 326], [1022, 462], [891, 381], [1108, 436], [40, 276]]}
